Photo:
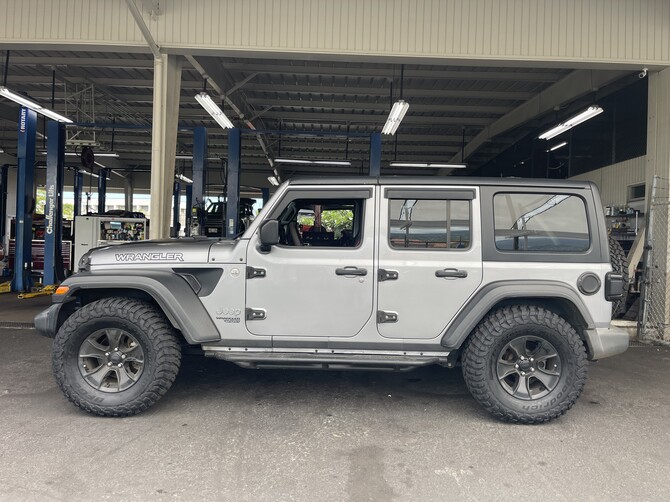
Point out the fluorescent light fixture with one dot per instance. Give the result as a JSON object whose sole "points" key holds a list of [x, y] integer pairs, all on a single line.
{"points": [[183, 178], [314, 162], [190, 157], [556, 147], [395, 117], [273, 181], [587, 114], [213, 109], [28, 103], [83, 171], [429, 165], [101, 154]]}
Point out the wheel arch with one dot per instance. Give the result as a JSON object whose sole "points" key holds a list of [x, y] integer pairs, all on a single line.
{"points": [[169, 292], [550, 295]]}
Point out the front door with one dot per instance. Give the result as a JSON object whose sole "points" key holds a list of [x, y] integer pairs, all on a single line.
{"points": [[429, 258], [318, 281]]}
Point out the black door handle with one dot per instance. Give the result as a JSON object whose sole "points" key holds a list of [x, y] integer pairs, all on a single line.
{"points": [[351, 271], [451, 273]]}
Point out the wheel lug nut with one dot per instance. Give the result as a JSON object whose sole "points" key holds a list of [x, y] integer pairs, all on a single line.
{"points": [[516, 366], [120, 365], [107, 354], [523, 373], [532, 369], [109, 364], [123, 356], [116, 349], [531, 359]]}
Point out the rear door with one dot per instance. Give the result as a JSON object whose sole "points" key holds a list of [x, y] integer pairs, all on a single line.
{"points": [[430, 258]]}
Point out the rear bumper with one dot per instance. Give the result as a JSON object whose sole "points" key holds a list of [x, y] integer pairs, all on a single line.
{"points": [[46, 322], [606, 342]]}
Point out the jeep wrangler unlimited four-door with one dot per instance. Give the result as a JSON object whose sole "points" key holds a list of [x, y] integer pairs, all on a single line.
{"points": [[508, 278]]}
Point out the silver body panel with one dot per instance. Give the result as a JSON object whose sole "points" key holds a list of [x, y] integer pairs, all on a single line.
{"points": [[308, 307]]}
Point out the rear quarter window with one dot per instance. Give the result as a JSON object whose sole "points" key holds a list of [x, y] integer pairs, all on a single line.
{"points": [[540, 222]]}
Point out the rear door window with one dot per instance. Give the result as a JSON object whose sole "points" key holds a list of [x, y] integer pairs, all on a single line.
{"points": [[536, 222]]}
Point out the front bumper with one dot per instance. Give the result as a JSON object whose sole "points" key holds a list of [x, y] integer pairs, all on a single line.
{"points": [[606, 342], [46, 322]]}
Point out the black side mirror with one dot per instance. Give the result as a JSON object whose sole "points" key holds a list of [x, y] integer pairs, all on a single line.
{"points": [[269, 234]]}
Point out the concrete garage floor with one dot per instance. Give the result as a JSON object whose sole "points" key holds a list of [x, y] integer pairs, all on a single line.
{"points": [[225, 433]]}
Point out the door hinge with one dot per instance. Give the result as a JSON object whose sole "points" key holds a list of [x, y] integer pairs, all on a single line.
{"points": [[255, 314], [384, 317], [387, 275], [252, 272]]}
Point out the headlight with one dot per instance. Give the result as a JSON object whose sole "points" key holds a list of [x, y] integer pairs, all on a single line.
{"points": [[84, 262]]}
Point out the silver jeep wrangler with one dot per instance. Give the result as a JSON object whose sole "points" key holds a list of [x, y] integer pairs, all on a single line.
{"points": [[508, 278]]}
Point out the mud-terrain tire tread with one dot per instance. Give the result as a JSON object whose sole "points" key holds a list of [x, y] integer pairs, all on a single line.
{"points": [[619, 263], [152, 323], [478, 351]]}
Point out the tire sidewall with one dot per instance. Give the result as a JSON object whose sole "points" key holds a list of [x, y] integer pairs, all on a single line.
{"points": [[566, 382], [70, 361]]}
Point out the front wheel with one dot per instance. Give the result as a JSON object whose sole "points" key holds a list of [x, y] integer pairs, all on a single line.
{"points": [[115, 357], [525, 364]]}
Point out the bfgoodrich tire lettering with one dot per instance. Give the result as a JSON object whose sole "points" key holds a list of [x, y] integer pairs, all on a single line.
{"points": [[159, 346], [526, 326]]}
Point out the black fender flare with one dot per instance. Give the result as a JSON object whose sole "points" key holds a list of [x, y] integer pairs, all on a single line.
{"points": [[493, 293], [170, 291]]}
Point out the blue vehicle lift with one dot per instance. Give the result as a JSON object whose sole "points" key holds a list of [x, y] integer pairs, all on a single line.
{"points": [[25, 202]]}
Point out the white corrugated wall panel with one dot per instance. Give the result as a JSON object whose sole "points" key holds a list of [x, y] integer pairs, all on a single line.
{"points": [[629, 31], [65, 22], [614, 180]]}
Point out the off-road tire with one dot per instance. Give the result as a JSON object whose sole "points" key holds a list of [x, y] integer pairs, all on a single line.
{"points": [[619, 266], [483, 348], [154, 333]]}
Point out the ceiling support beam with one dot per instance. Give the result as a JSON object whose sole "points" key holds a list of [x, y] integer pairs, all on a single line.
{"points": [[155, 50], [218, 78], [573, 86]]}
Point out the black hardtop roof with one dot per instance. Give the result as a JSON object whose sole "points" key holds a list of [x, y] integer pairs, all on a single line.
{"points": [[443, 180]]}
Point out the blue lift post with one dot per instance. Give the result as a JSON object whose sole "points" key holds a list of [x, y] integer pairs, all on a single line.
{"points": [[102, 190], [176, 200], [25, 202], [53, 209], [199, 172], [233, 182], [265, 194], [375, 154]]}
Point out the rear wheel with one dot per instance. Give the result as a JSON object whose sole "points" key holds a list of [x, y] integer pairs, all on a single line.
{"points": [[116, 357], [525, 364]]}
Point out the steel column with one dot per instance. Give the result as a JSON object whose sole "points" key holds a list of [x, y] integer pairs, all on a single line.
{"points": [[265, 194], [78, 184], [3, 202], [375, 154], [25, 201], [176, 200], [199, 174], [189, 210], [233, 182], [53, 209], [102, 190]]}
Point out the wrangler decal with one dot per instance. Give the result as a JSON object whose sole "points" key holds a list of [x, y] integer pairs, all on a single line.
{"points": [[149, 256]]}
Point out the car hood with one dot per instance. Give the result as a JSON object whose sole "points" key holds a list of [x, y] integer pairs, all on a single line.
{"points": [[155, 253]]}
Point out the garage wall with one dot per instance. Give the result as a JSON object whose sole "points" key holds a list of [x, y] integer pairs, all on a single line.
{"points": [[570, 31], [614, 180]]}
